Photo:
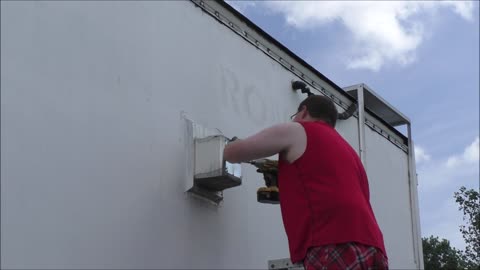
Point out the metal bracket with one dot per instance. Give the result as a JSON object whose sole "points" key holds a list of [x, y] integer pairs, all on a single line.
{"points": [[284, 264]]}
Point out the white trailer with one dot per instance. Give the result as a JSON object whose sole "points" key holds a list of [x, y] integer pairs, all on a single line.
{"points": [[101, 103]]}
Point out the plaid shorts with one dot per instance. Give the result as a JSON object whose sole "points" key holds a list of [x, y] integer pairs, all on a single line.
{"points": [[351, 256]]}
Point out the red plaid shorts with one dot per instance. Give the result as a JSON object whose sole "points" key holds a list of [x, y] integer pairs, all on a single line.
{"points": [[351, 256]]}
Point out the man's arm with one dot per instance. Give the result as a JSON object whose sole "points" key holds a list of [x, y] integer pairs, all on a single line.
{"points": [[268, 142]]}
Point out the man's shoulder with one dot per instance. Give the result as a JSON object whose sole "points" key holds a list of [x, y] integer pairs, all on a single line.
{"points": [[295, 136], [288, 128]]}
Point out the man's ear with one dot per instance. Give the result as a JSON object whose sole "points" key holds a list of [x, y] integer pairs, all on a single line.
{"points": [[304, 112]]}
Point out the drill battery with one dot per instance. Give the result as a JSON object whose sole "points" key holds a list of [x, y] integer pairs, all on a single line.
{"points": [[270, 193]]}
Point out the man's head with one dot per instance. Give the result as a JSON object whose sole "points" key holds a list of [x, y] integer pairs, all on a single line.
{"points": [[317, 107]]}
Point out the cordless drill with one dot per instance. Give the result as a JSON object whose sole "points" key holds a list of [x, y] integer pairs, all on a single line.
{"points": [[269, 169]]}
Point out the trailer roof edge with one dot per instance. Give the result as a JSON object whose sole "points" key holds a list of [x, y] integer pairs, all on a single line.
{"points": [[282, 47]]}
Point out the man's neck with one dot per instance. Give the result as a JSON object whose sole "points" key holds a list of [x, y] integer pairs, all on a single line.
{"points": [[311, 119]]}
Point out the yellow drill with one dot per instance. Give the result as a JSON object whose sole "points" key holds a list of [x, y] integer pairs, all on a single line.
{"points": [[269, 169]]}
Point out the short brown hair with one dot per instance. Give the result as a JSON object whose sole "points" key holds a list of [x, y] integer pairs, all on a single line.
{"points": [[320, 107]]}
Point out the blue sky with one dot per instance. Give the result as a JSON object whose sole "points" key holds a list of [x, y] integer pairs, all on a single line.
{"points": [[423, 57]]}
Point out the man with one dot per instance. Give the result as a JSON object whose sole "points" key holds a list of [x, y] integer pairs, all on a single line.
{"points": [[324, 193]]}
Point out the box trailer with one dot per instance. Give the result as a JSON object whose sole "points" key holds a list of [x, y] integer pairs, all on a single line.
{"points": [[112, 119]]}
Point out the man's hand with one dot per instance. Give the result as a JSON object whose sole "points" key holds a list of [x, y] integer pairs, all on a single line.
{"points": [[266, 166]]}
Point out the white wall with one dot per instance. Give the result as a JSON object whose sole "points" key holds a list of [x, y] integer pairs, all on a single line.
{"points": [[389, 194], [93, 141]]}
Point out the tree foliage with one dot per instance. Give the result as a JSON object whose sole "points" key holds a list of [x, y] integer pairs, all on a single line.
{"points": [[469, 203], [439, 255]]}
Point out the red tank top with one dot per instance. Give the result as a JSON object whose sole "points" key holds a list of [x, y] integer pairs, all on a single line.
{"points": [[324, 195]]}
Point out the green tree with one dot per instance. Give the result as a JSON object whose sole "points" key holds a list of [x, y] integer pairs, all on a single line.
{"points": [[439, 255], [469, 203]]}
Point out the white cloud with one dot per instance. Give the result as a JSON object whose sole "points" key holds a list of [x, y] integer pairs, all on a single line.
{"points": [[382, 31], [421, 155], [436, 172], [471, 153], [463, 8], [469, 156]]}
